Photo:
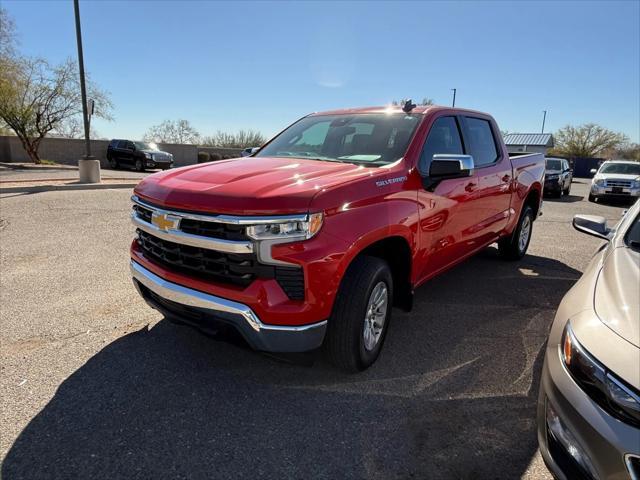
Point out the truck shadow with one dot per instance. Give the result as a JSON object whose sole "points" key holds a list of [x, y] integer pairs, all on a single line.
{"points": [[452, 396]]}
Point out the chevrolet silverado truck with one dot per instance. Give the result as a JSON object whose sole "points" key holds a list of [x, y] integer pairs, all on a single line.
{"points": [[314, 238]]}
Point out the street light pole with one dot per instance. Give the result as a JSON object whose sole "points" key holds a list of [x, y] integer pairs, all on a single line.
{"points": [[454, 96], [544, 117], [88, 168]]}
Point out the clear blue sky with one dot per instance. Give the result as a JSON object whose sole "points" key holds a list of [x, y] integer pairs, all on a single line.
{"points": [[262, 65]]}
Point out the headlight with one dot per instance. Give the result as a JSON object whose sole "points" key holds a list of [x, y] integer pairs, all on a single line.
{"points": [[599, 182], [552, 176], [148, 155], [611, 393], [635, 184], [294, 230]]}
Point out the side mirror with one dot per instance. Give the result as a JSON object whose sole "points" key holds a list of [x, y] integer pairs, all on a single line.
{"points": [[451, 166], [592, 225], [593, 171]]}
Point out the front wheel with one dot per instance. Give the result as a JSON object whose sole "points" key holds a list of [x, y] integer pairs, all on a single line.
{"points": [[361, 314], [592, 198], [515, 246], [139, 166], [567, 190]]}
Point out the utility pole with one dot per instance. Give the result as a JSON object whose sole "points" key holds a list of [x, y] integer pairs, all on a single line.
{"points": [[544, 117], [454, 96], [88, 167]]}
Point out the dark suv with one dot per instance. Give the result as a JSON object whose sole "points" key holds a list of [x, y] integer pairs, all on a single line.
{"points": [[558, 176], [139, 155]]}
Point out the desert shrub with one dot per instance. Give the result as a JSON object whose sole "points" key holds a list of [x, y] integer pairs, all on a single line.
{"points": [[203, 157], [215, 156]]}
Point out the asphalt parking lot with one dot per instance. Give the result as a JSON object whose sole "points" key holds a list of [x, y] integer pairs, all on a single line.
{"points": [[96, 384]]}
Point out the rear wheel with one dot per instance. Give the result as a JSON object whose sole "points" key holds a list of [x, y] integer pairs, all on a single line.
{"points": [[361, 314], [113, 163], [515, 246]]}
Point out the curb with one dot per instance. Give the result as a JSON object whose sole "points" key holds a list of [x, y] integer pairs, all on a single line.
{"points": [[27, 166], [54, 188]]}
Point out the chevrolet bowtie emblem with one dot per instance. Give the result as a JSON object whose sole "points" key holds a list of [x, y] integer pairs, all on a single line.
{"points": [[164, 221]]}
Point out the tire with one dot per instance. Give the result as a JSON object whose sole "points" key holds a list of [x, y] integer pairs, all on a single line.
{"points": [[350, 345], [113, 163], [515, 246], [139, 166], [592, 198], [567, 190]]}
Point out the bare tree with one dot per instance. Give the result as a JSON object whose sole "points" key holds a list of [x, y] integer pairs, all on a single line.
{"points": [[73, 127], [427, 101], [240, 139], [172, 131], [36, 97], [588, 140]]}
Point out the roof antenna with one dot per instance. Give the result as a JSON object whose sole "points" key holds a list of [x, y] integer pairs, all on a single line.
{"points": [[408, 106]]}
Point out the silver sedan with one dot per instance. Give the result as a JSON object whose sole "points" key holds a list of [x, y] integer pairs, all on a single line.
{"points": [[589, 403]]}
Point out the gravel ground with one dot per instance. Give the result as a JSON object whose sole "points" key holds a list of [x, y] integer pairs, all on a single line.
{"points": [[96, 384]]}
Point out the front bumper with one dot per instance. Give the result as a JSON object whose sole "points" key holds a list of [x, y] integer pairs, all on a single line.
{"points": [[609, 444], [209, 312], [608, 192], [552, 186]]}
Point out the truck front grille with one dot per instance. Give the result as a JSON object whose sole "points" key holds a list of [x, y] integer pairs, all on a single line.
{"points": [[227, 268]]}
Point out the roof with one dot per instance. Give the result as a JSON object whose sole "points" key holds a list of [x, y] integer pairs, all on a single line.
{"points": [[532, 139], [419, 109]]}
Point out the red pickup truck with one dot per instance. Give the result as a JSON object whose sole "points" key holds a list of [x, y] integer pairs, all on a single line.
{"points": [[316, 236]]}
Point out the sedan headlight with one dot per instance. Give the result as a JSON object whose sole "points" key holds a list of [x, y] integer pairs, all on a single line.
{"points": [[610, 392], [148, 155], [294, 230]]}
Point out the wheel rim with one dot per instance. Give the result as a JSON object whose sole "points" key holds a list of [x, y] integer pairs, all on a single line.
{"points": [[525, 232], [375, 316], [138, 165]]}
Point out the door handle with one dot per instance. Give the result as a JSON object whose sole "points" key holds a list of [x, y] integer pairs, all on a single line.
{"points": [[506, 178], [469, 187]]}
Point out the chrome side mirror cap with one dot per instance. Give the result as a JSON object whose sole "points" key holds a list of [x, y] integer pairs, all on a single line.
{"points": [[593, 225]]}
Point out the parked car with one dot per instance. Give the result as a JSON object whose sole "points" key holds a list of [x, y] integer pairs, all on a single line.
{"points": [[589, 403], [139, 155], [616, 179], [338, 218], [558, 177]]}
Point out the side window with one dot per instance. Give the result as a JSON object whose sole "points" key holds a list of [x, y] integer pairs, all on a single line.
{"points": [[482, 144], [129, 145], [122, 144], [443, 138]]}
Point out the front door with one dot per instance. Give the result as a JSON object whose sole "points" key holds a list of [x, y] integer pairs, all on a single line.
{"points": [[446, 212]]}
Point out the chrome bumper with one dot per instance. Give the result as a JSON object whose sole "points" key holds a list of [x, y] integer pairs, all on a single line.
{"points": [[261, 336]]}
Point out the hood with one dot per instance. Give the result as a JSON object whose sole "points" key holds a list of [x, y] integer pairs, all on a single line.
{"points": [[618, 176], [248, 186], [617, 296]]}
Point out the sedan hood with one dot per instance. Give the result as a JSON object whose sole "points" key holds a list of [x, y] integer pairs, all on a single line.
{"points": [[247, 186], [617, 296]]}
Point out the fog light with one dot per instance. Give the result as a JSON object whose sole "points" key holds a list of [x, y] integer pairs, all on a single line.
{"points": [[564, 436]]}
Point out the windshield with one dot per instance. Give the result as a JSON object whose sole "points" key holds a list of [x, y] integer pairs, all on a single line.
{"points": [[146, 146], [364, 139], [621, 168], [553, 164]]}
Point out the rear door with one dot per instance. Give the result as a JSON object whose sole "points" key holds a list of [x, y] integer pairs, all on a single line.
{"points": [[494, 174], [446, 213]]}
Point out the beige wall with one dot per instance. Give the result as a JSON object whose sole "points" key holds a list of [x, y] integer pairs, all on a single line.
{"points": [[68, 151]]}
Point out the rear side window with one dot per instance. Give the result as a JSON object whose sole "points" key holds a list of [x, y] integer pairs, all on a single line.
{"points": [[482, 144], [443, 138]]}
